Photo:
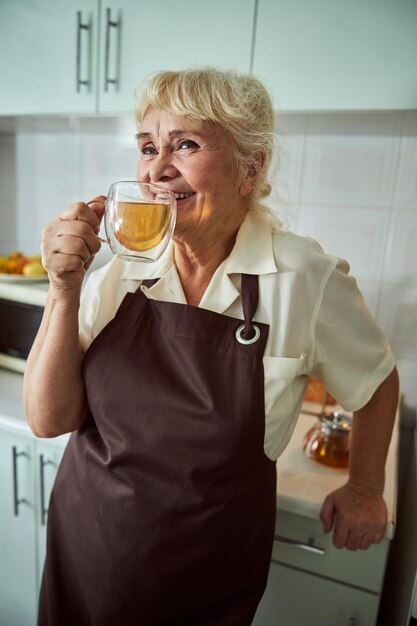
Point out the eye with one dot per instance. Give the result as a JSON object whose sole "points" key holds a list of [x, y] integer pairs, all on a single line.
{"points": [[148, 150], [187, 144]]}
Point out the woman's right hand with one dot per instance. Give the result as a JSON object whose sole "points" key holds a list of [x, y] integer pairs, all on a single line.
{"points": [[70, 242]]}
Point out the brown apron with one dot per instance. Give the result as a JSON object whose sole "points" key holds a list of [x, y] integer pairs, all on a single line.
{"points": [[164, 504]]}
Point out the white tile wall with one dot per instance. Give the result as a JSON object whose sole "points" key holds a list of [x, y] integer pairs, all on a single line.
{"points": [[406, 188], [401, 257], [76, 161], [408, 376], [351, 161], [348, 180], [46, 168], [104, 158], [287, 170], [398, 318], [357, 235], [353, 181], [8, 227]]}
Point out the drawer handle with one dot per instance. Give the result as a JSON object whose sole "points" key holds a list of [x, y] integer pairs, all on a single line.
{"points": [[44, 509], [16, 500], [309, 547], [109, 24], [80, 28]]}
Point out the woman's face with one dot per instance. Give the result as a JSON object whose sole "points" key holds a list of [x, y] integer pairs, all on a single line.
{"points": [[195, 160]]}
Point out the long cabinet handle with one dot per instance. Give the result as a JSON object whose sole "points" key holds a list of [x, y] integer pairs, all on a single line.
{"points": [[308, 547], [16, 500], [80, 28], [42, 464], [109, 24]]}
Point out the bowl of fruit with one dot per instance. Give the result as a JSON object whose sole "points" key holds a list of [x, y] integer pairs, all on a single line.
{"points": [[18, 267]]}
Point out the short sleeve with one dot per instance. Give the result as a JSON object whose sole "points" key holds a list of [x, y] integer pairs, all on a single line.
{"points": [[351, 356], [88, 312]]}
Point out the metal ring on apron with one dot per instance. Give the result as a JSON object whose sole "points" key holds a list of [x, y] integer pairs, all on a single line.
{"points": [[247, 341]]}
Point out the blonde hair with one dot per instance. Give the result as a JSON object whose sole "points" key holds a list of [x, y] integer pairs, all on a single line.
{"points": [[239, 103]]}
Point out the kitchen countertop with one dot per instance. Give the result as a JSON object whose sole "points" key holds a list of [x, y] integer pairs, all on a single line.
{"points": [[302, 482]]}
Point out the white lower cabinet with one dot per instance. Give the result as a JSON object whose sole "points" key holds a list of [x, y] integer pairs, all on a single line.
{"points": [[311, 582], [297, 598], [27, 471], [17, 531]]}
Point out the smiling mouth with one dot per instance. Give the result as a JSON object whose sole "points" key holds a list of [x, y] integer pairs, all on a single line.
{"points": [[178, 196]]}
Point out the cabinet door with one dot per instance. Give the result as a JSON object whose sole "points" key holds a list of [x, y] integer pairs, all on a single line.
{"points": [[48, 56], [328, 55], [48, 457], [17, 531], [301, 543], [140, 37], [295, 598]]}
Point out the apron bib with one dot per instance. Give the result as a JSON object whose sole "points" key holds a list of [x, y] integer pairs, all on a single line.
{"points": [[163, 508]]}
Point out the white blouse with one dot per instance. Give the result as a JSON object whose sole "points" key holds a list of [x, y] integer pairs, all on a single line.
{"points": [[319, 323]]}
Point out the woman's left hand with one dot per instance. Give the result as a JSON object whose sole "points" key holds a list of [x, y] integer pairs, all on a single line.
{"points": [[358, 517], [357, 512]]}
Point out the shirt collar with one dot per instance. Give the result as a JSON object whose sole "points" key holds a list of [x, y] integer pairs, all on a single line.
{"points": [[253, 251]]}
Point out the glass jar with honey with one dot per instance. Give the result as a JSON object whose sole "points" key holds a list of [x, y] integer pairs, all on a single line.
{"points": [[328, 441]]}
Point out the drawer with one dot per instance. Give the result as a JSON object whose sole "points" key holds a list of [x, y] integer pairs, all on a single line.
{"points": [[296, 598], [300, 542]]}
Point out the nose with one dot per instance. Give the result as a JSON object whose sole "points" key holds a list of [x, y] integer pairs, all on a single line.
{"points": [[161, 168]]}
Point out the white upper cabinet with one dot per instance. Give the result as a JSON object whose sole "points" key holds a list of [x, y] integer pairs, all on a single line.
{"points": [[48, 56], [86, 56], [338, 55], [140, 37]]}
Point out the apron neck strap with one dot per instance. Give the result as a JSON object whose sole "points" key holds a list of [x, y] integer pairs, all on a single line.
{"points": [[250, 292], [149, 282]]}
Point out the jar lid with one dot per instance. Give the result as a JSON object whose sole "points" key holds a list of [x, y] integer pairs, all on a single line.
{"points": [[337, 421]]}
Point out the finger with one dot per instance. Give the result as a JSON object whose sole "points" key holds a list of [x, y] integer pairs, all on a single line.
{"points": [[102, 199], [80, 211], [68, 253], [88, 263], [327, 514], [72, 246], [353, 540], [380, 535], [366, 541], [98, 205], [79, 230], [340, 534], [60, 263]]}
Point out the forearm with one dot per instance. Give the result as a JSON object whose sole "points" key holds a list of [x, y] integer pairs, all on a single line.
{"points": [[54, 395], [371, 435]]}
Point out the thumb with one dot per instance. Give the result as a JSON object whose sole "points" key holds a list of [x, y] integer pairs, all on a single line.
{"points": [[327, 514], [97, 204]]}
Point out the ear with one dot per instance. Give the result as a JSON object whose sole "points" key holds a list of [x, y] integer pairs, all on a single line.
{"points": [[252, 174]]}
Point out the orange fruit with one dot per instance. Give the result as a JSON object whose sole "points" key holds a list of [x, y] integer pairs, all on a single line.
{"points": [[15, 264], [34, 268]]}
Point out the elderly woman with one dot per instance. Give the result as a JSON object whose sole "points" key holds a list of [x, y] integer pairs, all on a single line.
{"points": [[183, 379]]}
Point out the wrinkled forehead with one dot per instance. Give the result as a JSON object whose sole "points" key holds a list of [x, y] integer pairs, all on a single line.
{"points": [[166, 123]]}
